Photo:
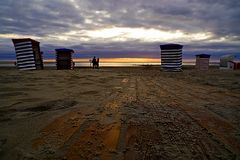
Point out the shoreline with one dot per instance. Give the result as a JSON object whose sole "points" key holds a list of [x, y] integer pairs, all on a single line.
{"points": [[184, 67], [86, 65]]}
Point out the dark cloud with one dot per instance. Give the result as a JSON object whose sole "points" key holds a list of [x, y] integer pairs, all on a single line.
{"points": [[48, 20], [37, 17]]}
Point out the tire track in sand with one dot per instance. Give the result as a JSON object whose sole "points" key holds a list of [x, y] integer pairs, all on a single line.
{"points": [[222, 129], [159, 129], [101, 137]]}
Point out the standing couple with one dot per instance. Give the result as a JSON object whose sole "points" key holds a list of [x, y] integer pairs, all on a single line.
{"points": [[95, 62]]}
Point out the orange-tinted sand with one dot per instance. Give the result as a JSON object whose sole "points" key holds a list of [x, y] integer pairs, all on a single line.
{"points": [[119, 113]]}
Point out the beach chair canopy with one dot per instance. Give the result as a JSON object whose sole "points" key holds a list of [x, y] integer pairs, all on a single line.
{"points": [[171, 46], [171, 57], [64, 58], [28, 54], [65, 50], [203, 55]]}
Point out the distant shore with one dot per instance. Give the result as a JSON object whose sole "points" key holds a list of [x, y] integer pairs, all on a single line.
{"points": [[115, 64]]}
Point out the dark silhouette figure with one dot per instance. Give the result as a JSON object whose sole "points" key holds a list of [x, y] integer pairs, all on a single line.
{"points": [[15, 64], [94, 62], [97, 62], [73, 64]]}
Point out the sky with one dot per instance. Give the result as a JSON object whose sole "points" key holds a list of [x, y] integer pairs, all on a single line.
{"points": [[121, 28]]}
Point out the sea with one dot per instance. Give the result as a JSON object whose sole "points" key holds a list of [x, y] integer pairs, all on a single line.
{"points": [[115, 64]]}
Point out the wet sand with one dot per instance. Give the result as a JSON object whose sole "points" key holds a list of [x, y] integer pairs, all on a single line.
{"points": [[119, 113]]}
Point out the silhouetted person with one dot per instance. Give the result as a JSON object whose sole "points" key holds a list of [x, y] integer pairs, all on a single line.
{"points": [[94, 62], [73, 64], [97, 62]]}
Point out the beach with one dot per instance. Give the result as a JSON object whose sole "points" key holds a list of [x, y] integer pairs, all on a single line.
{"points": [[119, 113]]}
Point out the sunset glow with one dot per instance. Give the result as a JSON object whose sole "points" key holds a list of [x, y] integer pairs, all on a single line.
{"points": [[121, 60]]}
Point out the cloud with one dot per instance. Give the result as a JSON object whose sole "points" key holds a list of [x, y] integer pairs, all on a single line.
{"points": [[122, 27]]}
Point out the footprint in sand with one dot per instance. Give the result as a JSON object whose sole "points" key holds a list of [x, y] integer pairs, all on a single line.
{"points": [[125, 80], [52, 105]]}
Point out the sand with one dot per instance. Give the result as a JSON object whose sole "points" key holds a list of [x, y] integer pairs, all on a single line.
{"points": [[119, 113]]}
